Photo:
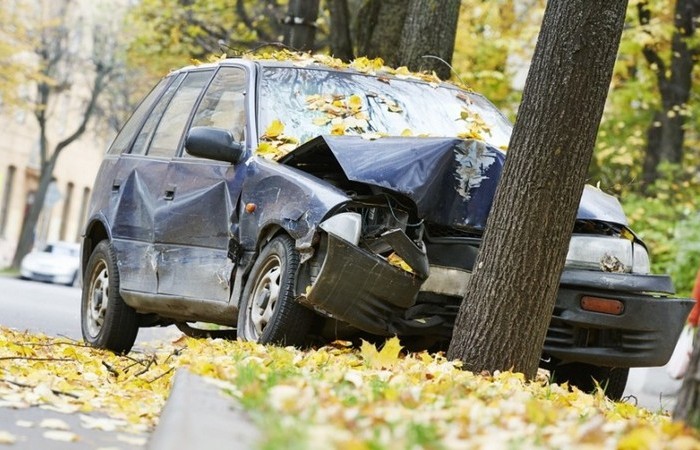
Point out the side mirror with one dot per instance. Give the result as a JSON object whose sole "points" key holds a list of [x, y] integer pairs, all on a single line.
{"points": [[213, 143]]}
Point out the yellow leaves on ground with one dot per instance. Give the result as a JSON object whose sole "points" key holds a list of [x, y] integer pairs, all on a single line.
{"points": [[387, 358], [336, 396]]}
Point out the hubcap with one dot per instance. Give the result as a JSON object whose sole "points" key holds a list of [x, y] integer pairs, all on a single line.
{"points": [[98, 299], [264, 296]]}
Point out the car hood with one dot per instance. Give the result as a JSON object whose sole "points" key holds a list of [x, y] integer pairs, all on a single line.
{"points": [[451, 181]]}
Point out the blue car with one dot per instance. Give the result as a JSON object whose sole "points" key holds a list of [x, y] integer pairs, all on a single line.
{"points": [[300, 201]]}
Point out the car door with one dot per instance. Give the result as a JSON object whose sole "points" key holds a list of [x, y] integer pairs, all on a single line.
{"points": [[134, 180], [194, 225]]}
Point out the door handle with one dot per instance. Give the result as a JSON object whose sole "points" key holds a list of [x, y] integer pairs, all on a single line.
{"points": [[170, 192]]}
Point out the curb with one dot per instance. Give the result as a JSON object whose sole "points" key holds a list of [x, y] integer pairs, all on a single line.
{"points": [[199, 415]]}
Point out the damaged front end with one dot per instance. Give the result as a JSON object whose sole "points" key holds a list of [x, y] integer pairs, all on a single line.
{"points": [[371, 266]]}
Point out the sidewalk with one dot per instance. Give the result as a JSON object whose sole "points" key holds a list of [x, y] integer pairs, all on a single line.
{"points": [[198, 414]]}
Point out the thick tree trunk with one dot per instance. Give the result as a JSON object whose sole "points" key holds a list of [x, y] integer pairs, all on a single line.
{"points": [[341, 42], [301, 24], [503, 319], [429, 34], [379, 27], [666, 133]]}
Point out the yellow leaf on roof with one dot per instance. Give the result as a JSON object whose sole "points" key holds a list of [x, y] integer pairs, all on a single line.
{"points": [[407, 132], [355, 102], [274, 129], [338, 129]]}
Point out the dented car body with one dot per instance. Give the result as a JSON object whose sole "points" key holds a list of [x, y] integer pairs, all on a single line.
{"points": [[296, 201]]}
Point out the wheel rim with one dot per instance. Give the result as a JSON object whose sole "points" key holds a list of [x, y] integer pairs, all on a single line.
{"points": [[264, 297], [98, 299]]}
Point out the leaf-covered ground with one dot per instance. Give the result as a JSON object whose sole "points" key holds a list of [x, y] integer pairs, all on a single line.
{"points": [[333, 397]]}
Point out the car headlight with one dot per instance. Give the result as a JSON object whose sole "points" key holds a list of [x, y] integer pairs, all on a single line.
{"points": [[347, 226], [607, 253]]}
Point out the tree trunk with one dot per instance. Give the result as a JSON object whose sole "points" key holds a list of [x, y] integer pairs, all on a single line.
{"points": [[379, 27], [503, 319], [27, 235], [301, 24], [666, 133], [429, 36], [688, 405], [341, 42]]}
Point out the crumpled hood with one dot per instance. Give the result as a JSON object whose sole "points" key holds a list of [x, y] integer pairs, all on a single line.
{"points": [[452, 181]]}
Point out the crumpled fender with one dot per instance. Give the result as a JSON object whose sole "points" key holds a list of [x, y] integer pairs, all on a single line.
{"points": [[285, 197]]}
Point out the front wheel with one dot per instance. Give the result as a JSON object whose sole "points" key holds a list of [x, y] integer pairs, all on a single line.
{"points": [[268, 312], [611, 379], [106, 321]]}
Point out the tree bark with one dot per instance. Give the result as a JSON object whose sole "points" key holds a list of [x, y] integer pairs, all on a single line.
{"points": [[379, 27], [666, 133], [428, 36], [503, 319], [341, 42], [301, 24]]}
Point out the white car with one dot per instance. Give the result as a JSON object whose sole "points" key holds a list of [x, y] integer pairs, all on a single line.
{"points": [[57, 262]]}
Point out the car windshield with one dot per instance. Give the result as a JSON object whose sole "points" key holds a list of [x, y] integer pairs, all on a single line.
{"points": [[303, 103]]}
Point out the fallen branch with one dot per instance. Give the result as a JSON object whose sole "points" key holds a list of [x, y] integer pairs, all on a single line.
{"points": [[23, 385]]}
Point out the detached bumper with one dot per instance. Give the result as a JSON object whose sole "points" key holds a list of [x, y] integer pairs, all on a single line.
{"points": [[362, 289], [643, 334]]}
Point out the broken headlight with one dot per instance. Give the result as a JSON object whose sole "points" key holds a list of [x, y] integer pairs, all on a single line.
{"points": [[607, 253]]}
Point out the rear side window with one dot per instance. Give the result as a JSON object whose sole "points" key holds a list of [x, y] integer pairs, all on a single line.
{"points": [[171, 127], [125, 137], [149, 128]]}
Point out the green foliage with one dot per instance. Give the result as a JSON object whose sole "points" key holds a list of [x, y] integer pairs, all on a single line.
{"points": [[668, 220]]}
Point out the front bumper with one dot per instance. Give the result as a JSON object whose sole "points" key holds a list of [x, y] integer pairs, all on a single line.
{"points": [[364, 291], [644, 334], [361, 289]]}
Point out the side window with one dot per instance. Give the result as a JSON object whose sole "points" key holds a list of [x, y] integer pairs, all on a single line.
{"points": [[126, 135], [172, 125], [223, 105], [149, 128]]}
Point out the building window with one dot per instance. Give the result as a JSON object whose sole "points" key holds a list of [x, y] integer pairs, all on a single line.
{"points": [[65, 215], [6, 198]]}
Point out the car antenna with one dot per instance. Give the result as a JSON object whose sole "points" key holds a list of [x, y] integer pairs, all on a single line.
{"points": [[452, 69]]}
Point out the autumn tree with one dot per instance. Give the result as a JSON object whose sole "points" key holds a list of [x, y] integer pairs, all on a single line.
{"points": [[13, 71], [665, 137], [503, 319], [62, 70]]}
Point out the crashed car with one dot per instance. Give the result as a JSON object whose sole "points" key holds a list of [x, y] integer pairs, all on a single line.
{"points": [[301, 201]]}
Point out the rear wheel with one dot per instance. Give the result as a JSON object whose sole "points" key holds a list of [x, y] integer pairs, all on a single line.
{"points": [[106, 321], [611, 379], [269, 312]]}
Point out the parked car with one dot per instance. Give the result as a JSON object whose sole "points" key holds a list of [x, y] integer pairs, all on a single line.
{"points": [[56, 262], [295, 201]]}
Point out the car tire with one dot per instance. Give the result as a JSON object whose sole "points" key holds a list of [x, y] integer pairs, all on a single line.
{"points": [[106, 321], [269, 313], [611, 379]]}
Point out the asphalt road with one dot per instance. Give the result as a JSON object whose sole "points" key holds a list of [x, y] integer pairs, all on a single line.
{"points": [[55, 310]]}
